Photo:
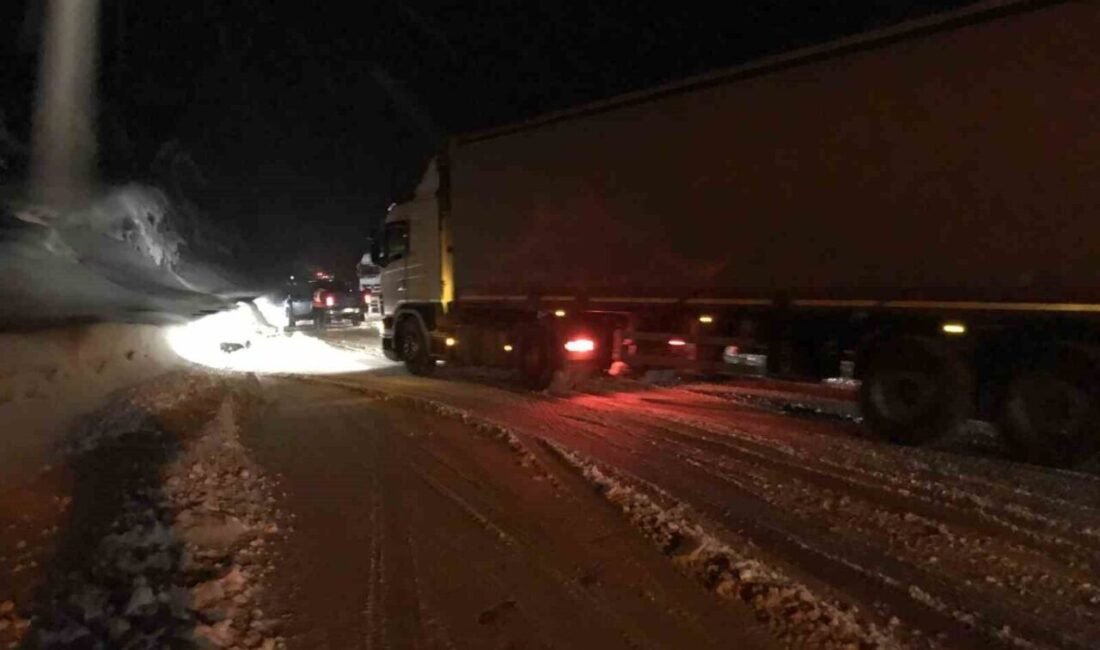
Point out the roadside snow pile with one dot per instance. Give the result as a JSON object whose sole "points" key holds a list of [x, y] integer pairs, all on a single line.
{"points": [[121, 257], [51, 378], [180, 553], [795, 614], [225, 516], [137, 409], [136, 216]]}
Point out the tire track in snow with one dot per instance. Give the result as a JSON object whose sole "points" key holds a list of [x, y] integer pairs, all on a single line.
{"points": [[987, 582], [1012, 518], [1074, 492], [441, 574], [574, 425], [900, 495], [871, 575]]}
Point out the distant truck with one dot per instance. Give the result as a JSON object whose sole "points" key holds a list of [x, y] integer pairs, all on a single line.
{"points": [[922, 202], [370, 274], [370, 283]]}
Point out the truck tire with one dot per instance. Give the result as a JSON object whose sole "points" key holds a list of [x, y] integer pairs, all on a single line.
{"points": [[1050, 413], [914, 390], [413, 345], [291, 321], [536, 359]]}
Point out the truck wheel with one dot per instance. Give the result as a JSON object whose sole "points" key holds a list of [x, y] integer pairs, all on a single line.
{"points": [[536, 357], [1051, 409], [914, 390], [414, 349], [290, 320]]}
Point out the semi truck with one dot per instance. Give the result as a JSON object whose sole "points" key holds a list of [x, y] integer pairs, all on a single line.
{"points": [[920, 202], [370, 283]]}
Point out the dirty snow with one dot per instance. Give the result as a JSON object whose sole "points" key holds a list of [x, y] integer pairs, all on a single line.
{"points": [[797, 615], [183, 558]]}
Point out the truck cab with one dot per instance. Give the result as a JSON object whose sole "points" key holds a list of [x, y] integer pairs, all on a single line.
{"points": [[370, 284], [369, 273], [411, 256]]}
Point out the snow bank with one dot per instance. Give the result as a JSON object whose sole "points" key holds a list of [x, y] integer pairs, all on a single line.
{"points": [[174, 549], [134, 216], [120, 258], [50, 377], [797, 615]]}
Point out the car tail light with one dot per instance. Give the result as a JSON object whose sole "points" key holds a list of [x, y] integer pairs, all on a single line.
{"points": [[580, 345], [677, 342], [318, 298], [366, 296], [330, 300]]}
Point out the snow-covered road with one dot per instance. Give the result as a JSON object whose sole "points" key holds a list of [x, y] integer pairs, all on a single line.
{"points": [[461, 511], [415, 530], [828, 537], [774, 499]]}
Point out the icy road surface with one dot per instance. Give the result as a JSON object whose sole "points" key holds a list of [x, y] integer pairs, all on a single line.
{"points": [[372, 509], [457, 512], [415, 530]]}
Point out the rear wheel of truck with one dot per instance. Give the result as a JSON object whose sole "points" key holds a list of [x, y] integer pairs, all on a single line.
{"points": [[413, 344], [1051, 408], [914, 390], [536, 357], [290, 320]]}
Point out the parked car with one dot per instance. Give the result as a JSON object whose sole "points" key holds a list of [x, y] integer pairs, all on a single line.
{"points": [[324, 300]]}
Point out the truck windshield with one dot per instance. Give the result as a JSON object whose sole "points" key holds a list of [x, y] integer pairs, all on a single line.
{"points": [[397, 241]]}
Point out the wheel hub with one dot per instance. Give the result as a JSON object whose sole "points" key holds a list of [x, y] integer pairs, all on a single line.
{"points": [[410, 347], [1053, 405], [903, 396]]}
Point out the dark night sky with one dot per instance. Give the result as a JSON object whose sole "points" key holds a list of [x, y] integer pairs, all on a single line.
{"points": [[307, 119]]}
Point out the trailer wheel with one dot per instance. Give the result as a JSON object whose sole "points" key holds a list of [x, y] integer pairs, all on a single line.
{"points": [[536, 357], [914, 390], [413, 345], [1051, 409]]}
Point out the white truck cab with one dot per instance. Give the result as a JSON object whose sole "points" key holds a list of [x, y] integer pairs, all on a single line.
{"points": [[369, 273], [412, 252]]}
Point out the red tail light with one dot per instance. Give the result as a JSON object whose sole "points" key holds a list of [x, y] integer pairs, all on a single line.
{"points": [[366, 296], [318, 298], [580, 345], [677, 342], [330, 300]]}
